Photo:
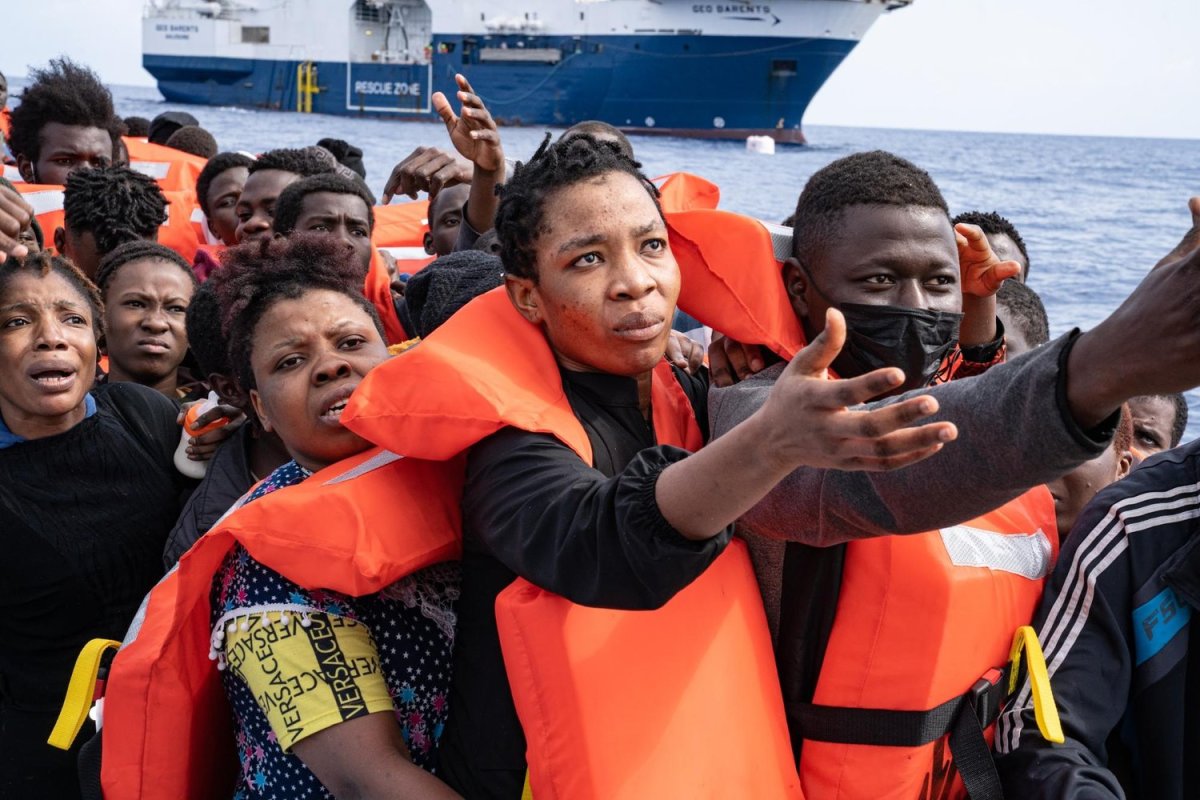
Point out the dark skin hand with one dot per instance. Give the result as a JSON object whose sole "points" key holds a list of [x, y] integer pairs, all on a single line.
{"points": [[684, 353], [476, 137], [426, 169], [1190, 240], [204, 447], [15, 216], [1149, 345]]}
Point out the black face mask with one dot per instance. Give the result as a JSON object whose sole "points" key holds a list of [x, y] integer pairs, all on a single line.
{"points": [[913, 339]]}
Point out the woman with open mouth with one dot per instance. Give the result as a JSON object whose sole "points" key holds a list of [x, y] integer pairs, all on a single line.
{"points": [[89, 495], [369, 675]]}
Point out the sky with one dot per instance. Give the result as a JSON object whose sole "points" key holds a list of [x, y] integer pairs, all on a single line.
{"points": [[1089, 67]]}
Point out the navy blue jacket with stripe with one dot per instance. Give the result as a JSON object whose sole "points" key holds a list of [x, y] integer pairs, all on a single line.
{"points": [[1115, 624]]}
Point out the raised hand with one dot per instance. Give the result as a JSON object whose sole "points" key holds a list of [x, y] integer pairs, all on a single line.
{"points": [[473, 131], [426, 169], [812, 423], [981, 271], [15, 216]]}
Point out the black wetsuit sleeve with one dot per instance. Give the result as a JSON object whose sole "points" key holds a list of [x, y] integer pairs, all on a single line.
{"points": [[563, 526]]}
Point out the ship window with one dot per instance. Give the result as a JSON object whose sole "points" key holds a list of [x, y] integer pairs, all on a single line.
{"points": [[783, 68], [256, 34]]}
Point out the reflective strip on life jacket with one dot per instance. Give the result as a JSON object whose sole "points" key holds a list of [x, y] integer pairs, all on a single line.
{"points": [[174, 170], [167, 731], [920, 618]]}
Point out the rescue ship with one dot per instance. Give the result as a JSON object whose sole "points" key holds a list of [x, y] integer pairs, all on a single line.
{"points": [[708, 68]]}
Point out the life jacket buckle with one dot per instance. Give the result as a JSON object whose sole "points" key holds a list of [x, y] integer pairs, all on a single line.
{"points": [[988, 695]]}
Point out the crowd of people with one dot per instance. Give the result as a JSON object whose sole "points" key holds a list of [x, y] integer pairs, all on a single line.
{"points": [[562, 482]]}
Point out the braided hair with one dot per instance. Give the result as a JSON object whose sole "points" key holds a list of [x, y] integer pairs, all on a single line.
{"points": [[63, 92], [116, 204], [137, 250], [42, 264], [876, 178], [553, 167], [256, 275]]}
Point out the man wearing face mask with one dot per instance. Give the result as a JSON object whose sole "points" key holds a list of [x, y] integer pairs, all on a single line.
{"points": [[887, 646]]}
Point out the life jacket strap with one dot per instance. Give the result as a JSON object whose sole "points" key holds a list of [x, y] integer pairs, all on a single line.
{"points": [[85, 688], [963, 717]]}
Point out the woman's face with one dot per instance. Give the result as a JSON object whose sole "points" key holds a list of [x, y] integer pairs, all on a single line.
{"points": [[307, 355], [47, 354], [145, 337], [607, 281]]}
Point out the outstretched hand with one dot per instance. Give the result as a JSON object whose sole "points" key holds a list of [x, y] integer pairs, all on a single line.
{"points": [[981, 270], [814, 425], [473, 131]]}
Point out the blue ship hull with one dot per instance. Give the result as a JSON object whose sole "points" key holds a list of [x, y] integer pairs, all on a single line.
{"points": [[712, 86]]}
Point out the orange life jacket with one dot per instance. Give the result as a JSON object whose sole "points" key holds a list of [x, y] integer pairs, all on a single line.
{"points": [[167, 730], [920, 618], [686, 674], [174, 170], [378, 289], [6, 122]]}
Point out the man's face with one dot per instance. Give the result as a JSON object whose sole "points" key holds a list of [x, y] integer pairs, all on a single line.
{"points": [[66, 148], [223, 194], [445, 217], [1006, 250], [342, 216], [1153, 421], [881, 255], [255, 207]]}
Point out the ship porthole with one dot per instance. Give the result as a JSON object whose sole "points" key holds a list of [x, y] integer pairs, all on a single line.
{"points": [[718, 122], [649, 122]]}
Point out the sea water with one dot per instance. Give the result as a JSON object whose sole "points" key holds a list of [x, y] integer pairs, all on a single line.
{"points": [[1096, 213]]}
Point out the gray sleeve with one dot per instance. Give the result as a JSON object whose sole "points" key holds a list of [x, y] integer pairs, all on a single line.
{"points": [[1014, 432]]}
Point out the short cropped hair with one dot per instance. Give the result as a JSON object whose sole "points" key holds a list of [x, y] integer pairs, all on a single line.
{"points": [[195, 140], [990, 222], [302, 161], [137, 126], [63, 92], [553, 167], [215, 166], [1026, 310], [876, 178], [291, 200], [256, 275], [116, 204]]}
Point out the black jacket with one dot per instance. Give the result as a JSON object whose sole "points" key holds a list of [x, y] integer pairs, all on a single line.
{"points": [[591, 533], [1115, 623]]}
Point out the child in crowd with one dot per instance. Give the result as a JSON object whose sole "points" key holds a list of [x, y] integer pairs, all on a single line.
{"points": [[268, 176], [146, 289]]}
